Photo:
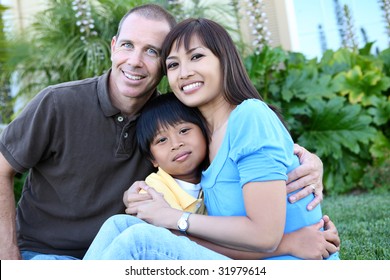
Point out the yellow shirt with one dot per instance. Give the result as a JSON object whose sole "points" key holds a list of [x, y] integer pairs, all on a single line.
{"points": [[176, 197]]}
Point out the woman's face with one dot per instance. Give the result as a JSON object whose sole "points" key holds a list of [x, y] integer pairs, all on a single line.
{"points": [[195, 75]]}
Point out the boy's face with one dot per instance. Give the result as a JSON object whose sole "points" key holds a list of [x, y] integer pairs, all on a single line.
{"points": [[179, 150]]}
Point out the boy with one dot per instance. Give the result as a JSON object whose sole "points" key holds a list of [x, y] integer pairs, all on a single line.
{"points": [[174, 138]]}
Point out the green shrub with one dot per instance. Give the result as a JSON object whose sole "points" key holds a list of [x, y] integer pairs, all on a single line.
{"points": [[376, 178], [337, 107]]}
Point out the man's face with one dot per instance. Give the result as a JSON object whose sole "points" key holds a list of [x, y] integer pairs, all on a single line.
{"points": [[135, 56]]}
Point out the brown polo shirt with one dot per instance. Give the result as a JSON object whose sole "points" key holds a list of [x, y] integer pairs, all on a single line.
{"points": [[81, 154]]}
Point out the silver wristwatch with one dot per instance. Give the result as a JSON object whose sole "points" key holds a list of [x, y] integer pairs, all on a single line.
{"points": [[182, 223]]}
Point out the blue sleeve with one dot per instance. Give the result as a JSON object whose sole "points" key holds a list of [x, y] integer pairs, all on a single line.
{"points": [[260, 145]]}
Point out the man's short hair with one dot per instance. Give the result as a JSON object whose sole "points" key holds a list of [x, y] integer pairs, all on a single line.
{"points": [[149, 11]]}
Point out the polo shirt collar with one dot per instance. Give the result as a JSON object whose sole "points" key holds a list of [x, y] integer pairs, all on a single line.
{"points": [[103, 95]]}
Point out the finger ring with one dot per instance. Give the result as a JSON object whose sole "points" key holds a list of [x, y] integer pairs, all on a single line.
{"points": [[313, 187]]}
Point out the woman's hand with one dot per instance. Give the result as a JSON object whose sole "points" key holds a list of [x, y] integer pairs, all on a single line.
{"points": [[309, 175]]}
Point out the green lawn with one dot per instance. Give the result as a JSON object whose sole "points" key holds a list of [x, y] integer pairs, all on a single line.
{"points": [[363, 222]]}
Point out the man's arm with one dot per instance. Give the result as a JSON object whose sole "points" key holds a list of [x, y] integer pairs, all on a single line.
{"points": [[8, 241], [307, 176]]}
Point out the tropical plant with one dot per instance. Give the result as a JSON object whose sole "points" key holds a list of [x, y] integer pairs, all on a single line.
{"points": [[336, 107], [258, 24], [70, 40], [6, 103], [385, 8], [60, 48], [350, 32]]}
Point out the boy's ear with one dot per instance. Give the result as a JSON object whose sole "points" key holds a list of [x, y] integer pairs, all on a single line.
{"points": [[154, 162]]}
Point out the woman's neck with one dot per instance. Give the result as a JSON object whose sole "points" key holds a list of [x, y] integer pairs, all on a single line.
{"points": [[217, 116]]}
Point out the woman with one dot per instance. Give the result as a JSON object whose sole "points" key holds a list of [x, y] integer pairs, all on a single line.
{"points": [[250, 153]]}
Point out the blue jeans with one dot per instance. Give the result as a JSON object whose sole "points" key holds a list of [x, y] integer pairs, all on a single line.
{"points": [[31, 255], [124, 237]]}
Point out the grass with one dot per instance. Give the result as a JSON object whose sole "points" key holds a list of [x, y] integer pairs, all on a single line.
{"points": [[363, 222]]}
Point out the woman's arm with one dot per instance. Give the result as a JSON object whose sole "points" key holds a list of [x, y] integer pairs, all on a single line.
{"points": [[317, 244], [309, 243], [261, 230]]}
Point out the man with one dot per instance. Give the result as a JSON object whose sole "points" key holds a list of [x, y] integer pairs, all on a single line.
{"points": [[77, 140]]}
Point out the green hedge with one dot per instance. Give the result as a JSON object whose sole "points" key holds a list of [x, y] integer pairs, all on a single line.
{"points": [[337, 107]]}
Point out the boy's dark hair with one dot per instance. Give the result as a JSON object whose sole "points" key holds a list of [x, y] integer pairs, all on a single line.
{"points": [[162, 111]]}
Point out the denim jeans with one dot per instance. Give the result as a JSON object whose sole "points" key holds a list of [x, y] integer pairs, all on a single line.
{"points": [[124, 237], [31, 255]]}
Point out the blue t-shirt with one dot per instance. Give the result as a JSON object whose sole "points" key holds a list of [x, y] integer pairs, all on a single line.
{"points": [[256, 148]]}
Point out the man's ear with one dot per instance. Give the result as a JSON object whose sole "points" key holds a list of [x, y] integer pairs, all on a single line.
{"points": [[113, 43]]}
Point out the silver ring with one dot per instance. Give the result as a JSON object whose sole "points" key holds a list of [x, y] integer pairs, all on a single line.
{"points": [[313, 187]]}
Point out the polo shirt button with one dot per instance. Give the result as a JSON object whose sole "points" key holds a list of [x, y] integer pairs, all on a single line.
{"points": [[120, 119], [125, 135]]}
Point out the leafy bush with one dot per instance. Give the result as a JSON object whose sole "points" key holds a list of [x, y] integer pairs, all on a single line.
{"points": [[376, 177], [337, 107]]}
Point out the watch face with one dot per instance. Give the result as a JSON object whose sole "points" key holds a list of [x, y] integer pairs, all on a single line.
{"points": [[182, 225]]}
